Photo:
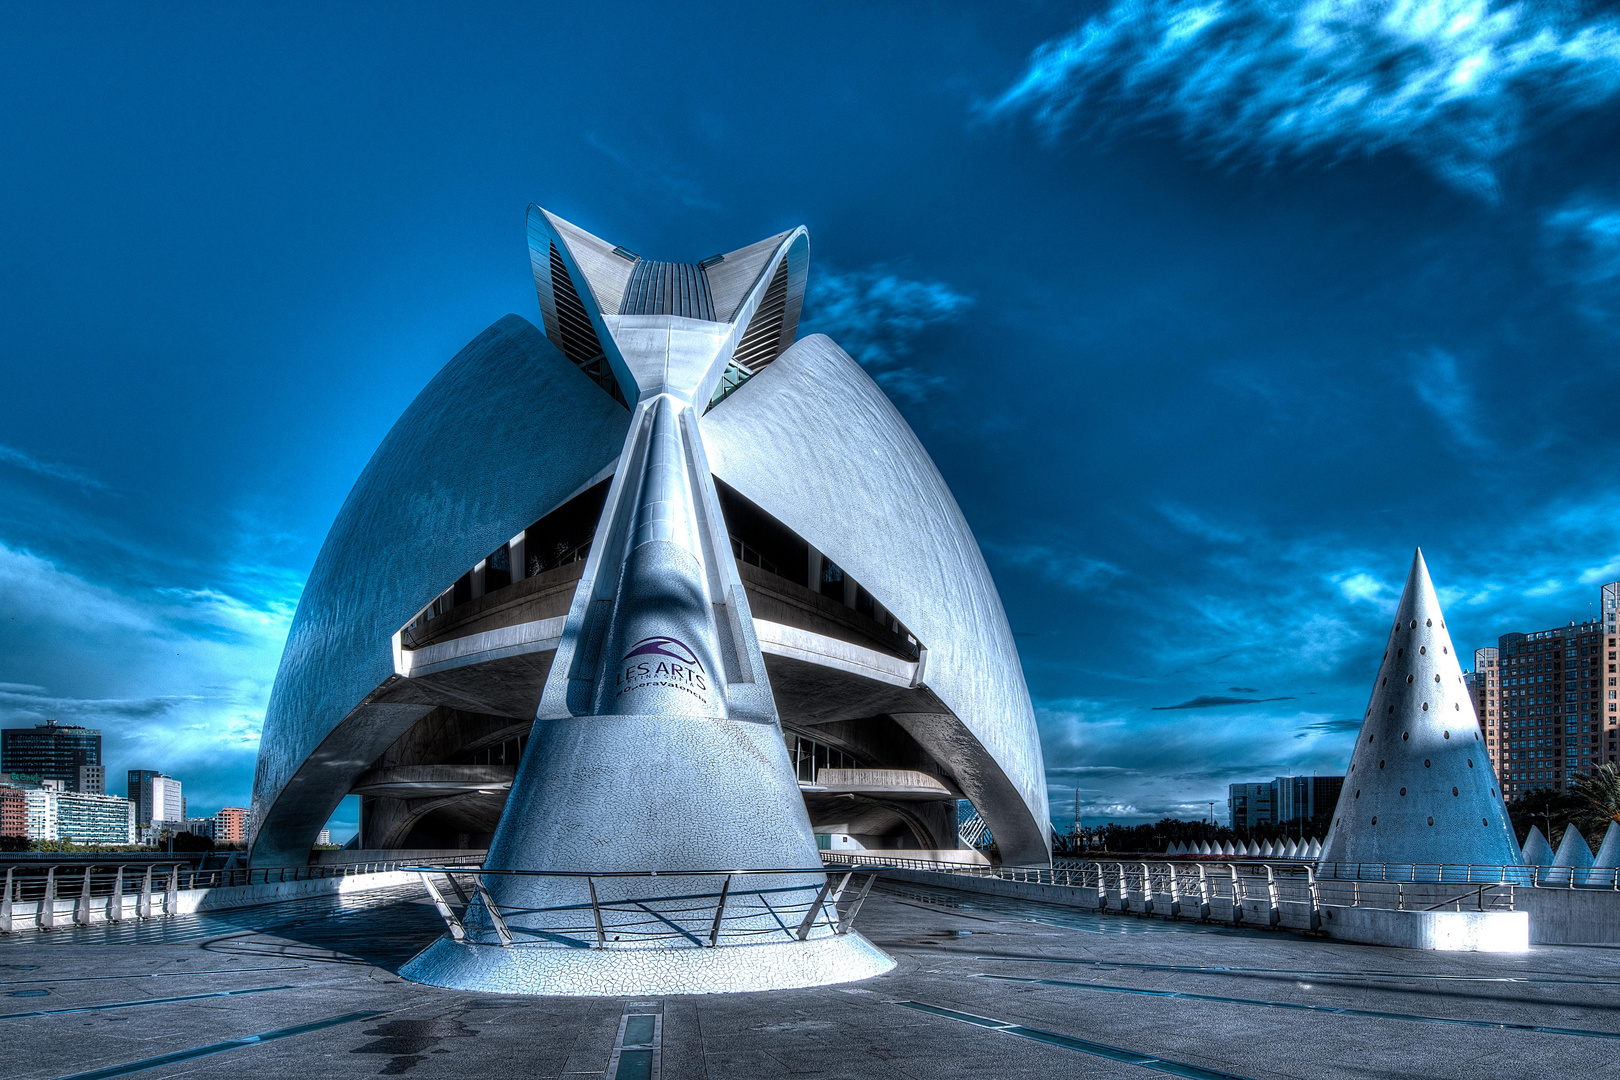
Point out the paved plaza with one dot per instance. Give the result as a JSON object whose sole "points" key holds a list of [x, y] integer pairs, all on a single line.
{"points": [[984, 987]]}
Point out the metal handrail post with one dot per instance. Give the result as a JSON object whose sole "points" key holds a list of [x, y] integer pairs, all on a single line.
{"points": [[143, 906], [719, 909], [495, 919], [81, 910], [815, 909], [1147, 890], [596, 913], [1175, 892], [849, 916], [115, 911], [1203, 892], [46, 919], [1102, 888], [1124, 888], [171, 894], [1275, 917], [1316, 898], [1237, 895], [456, 932], [5, 905]]}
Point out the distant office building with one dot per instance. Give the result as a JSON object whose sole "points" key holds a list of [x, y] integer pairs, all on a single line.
{"points": [[1285, 799], [13, 812], [324, 837], [93, 819], [1547, 701], [51, 751], [92, 780], [1301, 798], [1248, 805], [230, 825], [157, 797]]}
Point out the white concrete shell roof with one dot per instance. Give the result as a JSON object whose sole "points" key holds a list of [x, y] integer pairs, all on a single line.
{"points": [[508, 430], [511, 429], [814, 441]]}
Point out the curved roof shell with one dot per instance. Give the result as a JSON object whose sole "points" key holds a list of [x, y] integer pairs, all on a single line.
{"points": [[512, 428]]}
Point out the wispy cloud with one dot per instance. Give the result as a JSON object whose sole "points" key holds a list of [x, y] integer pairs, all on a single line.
{"points": [[1441, 385], [877, 315], [1068, 568], [1583, 241], [1454, 84], [177, 678], [29, 463], [1207, 701]]}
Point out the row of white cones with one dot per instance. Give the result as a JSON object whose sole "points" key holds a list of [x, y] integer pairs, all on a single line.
{"points": [[1289, 849], [1573, 852]]}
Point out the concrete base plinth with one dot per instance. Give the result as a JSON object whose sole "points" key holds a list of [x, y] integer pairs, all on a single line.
{"points": [[549, 969], [1444, 931]]}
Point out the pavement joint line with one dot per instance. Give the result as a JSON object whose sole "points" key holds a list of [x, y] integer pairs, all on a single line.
{"points": [[1084, 1046], [155, 975], [1195, 969], [135, 1004], [1375, 1014], [218, 1047]]}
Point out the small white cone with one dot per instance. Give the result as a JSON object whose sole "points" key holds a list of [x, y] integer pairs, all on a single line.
{"points": [[1292, 850], [1608, 853], [1573, 857], [1536, 851], [1315, 849]]}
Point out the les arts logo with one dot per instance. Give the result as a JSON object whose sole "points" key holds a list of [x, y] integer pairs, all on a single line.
{"points": [[662, 661]]}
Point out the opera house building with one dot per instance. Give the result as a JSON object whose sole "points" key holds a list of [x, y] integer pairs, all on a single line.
{"points": [[661, 585]]}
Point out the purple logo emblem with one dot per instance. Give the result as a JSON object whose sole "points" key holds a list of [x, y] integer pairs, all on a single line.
{"points": [[662, 662], [673, 648]]}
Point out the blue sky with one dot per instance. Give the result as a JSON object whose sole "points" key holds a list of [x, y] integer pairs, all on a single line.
{"points": [[1209, 313]]}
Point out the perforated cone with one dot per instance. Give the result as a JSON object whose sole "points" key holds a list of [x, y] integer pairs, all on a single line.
{"points": [[1420, 789]]}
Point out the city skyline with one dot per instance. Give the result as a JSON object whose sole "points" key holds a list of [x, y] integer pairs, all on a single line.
{"points": [[1198, 407]]}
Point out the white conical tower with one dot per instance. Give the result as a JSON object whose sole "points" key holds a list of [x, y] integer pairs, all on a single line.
{"points": [[1204, 848], [1420, 788], [1608, 853], [1291, 850], [1536, 851], [1316, 848]]}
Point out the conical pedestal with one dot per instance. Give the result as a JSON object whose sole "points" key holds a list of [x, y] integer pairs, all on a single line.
{"points": [[1421, 799]]}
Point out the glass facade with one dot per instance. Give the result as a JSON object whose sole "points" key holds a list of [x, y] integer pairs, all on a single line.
{"points": [[50, 751]]}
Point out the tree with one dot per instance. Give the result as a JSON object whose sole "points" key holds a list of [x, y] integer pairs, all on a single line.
{"points": [[1596, 798]]}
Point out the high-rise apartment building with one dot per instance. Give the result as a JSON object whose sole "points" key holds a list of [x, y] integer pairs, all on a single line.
{"points": [[93, 819], [13, 812], [1549, 702], [50, 751], [230, 825]]}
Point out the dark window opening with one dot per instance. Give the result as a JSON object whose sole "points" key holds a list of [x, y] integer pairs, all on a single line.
{"points": [[760, 540], [498, 569], [864, 603], [564, 536]]}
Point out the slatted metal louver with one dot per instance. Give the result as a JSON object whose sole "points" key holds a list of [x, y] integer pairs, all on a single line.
{"points": [[579, 341], [762, 341], [660, 288]]}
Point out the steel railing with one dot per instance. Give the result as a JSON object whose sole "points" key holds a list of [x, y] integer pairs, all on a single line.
{"points": [[648, 909], [1242, 893], [33, 896]]}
